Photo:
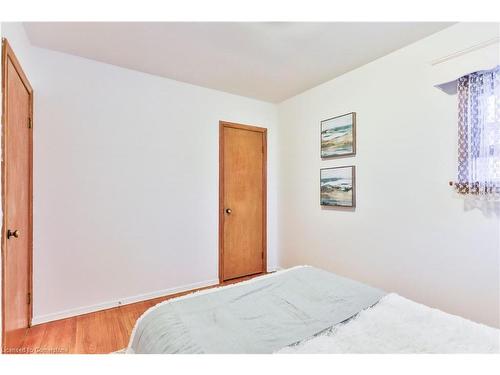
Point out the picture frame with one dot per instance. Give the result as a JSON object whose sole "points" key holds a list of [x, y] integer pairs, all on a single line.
{"points": [[338, 136], [338, 186]]}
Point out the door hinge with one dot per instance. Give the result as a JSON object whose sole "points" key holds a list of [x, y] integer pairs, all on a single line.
{"points": [[30, 123], [29, 298]]}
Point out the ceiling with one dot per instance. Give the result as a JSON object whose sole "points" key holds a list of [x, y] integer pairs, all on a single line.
{"points": [[270, 61]]}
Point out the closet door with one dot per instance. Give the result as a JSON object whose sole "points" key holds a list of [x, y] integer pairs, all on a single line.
{"points": [[242, 201], [17, 201]]}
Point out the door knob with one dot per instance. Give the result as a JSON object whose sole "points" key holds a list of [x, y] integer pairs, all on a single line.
{"points": [[14, 233], [228, 211]]}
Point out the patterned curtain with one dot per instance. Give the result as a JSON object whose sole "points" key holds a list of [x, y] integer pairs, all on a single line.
{"points": [[479, 135]]}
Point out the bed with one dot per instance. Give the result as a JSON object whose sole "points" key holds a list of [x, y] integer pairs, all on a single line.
{"points": [[304, 310]]}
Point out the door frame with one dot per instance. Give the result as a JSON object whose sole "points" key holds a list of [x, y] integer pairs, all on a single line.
{"points": [[8, 54], [263, 131]]}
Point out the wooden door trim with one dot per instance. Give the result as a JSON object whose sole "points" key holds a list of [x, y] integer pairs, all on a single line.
{"points": [[222, 126], [8, 54]]}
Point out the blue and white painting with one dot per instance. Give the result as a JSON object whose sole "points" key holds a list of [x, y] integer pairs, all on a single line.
{"points": [[338, 136], [337, 186]]}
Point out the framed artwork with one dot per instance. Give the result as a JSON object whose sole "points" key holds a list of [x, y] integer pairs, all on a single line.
{"points": [[338, 136], [338, 186]]}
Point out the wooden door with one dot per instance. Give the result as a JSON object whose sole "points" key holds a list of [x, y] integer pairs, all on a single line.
{"points": [[16, 199], [242, 200]]}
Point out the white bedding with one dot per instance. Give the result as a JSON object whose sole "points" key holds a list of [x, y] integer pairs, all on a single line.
{"points": [[398, 325]]}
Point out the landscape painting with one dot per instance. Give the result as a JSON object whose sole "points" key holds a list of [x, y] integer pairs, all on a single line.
{"points": [[338, 136], [338, 186]]}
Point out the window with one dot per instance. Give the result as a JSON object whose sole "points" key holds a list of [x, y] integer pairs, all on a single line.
{"points": [[479, 134]]}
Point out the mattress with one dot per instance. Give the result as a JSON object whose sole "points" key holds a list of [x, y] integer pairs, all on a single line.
{"points": [[304, 310]]}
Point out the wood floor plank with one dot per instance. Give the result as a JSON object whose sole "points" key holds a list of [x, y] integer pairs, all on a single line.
{"points": [[34, 337], [59, 337], [84, 342]]}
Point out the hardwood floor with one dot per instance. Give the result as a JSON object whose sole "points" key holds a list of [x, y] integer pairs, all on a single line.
{"points": [[103, 331]]}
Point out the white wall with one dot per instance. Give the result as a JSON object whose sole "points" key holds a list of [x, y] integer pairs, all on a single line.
{"points": [[126, 181], [408, 234]]}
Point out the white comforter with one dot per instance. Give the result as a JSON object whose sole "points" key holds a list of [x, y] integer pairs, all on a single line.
{"points": [[398, 325]]}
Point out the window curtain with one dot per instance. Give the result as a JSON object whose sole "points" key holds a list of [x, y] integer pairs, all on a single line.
{"points": [[479, 135]]}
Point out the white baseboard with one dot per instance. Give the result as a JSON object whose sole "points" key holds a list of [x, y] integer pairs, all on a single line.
{"points": [[120, 302]]}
